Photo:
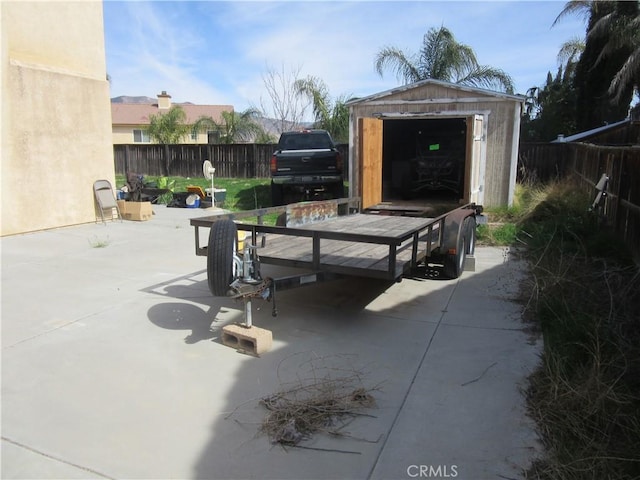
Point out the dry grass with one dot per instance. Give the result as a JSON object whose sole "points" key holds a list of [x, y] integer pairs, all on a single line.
{"points": [[585, 294], [505, 227]]}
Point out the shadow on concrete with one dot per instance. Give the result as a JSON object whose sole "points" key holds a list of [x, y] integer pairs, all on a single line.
{"points": [[448, 356], [183, 316], [350, 295], [196, 313], [420, 340]]}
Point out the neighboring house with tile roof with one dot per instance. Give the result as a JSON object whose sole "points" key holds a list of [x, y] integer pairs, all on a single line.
{"points": [[130, 120]]}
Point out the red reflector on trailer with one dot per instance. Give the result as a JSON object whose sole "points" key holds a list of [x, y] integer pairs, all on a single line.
{"points": [[452, 251]]}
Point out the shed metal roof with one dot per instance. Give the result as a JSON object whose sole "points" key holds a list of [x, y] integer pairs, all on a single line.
{"points": [[440, 83]]}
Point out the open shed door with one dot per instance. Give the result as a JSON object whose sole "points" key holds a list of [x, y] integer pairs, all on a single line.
{"points": [[370, 156], [475, 171]]}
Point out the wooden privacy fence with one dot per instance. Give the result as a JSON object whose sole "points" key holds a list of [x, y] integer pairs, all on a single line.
{"points": [[586, 163], [541, 162], [238, 160], [536, 162]]}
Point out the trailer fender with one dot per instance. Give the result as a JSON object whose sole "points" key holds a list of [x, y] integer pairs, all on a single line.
{"points": [[456, 241], [454, 227]]}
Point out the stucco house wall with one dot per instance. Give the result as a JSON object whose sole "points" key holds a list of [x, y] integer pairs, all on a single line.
{"points": [[56, 117]]}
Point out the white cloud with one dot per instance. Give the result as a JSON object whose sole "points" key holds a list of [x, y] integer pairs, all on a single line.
{"points": [[216, 52]]}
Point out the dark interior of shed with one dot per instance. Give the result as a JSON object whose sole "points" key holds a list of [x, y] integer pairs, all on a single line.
{"points": [[423, 160]]}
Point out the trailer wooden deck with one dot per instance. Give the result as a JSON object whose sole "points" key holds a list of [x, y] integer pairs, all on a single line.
{"points": [[365, 245], [361, 245]]}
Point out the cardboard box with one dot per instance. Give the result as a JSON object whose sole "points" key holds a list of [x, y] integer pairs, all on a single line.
{"points": [[139, 211]]}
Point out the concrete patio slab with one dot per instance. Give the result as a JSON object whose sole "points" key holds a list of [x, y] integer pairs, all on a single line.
{"points": [[113, 364]]}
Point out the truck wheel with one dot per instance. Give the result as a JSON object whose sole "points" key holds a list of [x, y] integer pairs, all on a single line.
{"points": [[222, 240], [470, 233], [454, 263], [277, 196]]}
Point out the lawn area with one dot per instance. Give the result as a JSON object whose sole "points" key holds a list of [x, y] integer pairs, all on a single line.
{"points": [[242, 193]]}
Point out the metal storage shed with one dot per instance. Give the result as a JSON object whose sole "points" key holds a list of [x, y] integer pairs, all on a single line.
{"points": [[434, 140]]}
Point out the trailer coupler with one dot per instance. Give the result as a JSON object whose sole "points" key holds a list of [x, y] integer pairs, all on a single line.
{"points": [[247, 291]]}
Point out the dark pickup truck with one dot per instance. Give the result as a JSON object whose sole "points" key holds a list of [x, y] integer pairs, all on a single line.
{"points": [[306, 166]]}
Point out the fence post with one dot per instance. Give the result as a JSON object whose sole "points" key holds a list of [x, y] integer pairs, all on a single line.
{"points": [[126, 159]]}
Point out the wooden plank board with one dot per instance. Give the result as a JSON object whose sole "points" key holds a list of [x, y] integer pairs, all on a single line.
{"points": [[383, 227], [336, 255], [286, 246], [370, 155]]}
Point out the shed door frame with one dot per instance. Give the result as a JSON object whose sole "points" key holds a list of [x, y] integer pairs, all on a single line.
{"points": [[370, 134], [475, 170]]}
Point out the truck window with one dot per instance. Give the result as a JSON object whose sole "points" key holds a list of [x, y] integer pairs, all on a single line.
{"points": [[308, 141]]}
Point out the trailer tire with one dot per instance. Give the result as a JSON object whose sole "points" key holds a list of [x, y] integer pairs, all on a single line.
{"points": [[470, 233], [454, 263], [222, 240]]}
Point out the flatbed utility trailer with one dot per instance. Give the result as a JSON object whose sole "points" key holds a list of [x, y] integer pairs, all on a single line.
{"points": [[384, 244]]}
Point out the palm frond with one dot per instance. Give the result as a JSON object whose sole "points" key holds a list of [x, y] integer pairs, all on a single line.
{"points": [[396, 60], [626, 77], [570, 51], [441, 57], [490, 78], [582, 8], [621, 30]]}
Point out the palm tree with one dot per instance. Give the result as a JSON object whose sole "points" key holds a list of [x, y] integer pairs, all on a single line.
{"points": [[605, 88], [441, 57], [332, 116], [621, 28], [234, 127], [167, 128]]}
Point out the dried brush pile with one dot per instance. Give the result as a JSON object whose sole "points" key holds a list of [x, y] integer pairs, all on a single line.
{"points": [[324, 405], [325, 395]]}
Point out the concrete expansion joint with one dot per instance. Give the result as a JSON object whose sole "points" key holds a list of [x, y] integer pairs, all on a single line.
{"points": [[480, 327], [51, 457]]}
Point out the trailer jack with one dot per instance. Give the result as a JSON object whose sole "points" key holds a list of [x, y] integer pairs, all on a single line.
{"points": [[250, 285]]}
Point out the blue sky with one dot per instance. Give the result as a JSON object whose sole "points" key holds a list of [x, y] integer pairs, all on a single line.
{"points": [[214, 52]]}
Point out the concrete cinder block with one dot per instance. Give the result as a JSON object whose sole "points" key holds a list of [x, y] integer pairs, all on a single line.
{"points": [[470, 263], [252, 339]]}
